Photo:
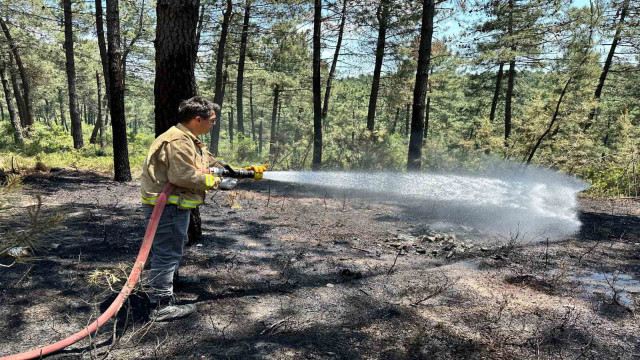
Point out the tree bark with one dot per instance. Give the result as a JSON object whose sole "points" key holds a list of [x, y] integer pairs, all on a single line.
{"points": [[607, 64], [219, 94], [17, 134], [176, 52], [175, 59], [553, 121], [274, 114], [122, 171], [16, 92], [407, 119], [382, 15], [253, 124], [102, 46], [63, 119], [510, 82], [317, 95], [414, 159], [260, 138], [278, 121], [496, 93], [47, 112], [508, 99], [74, 112], [327, 92], [231, 128], [426, 117], [103, 121], [23, 74], [200, 26], [85, 114], [241, 61], [1, 111], [98, 126]]}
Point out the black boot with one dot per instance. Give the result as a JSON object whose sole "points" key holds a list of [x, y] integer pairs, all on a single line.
{"points": [[166, 310]]}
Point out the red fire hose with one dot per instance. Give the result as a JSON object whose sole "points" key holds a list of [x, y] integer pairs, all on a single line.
{"points": [[124, 293]]}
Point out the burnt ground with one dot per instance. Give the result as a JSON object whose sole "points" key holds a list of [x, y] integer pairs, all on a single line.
{"points": [[292, 273]]}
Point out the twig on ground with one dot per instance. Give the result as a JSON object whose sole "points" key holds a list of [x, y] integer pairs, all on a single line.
{"points": [[394, 262], [359, 249], [588, 251]]}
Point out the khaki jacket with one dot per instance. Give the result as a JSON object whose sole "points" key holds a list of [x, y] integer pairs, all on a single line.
{"points": [[174, 157]]}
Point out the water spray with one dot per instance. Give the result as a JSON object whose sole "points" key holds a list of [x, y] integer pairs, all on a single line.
{"points": [[539, 201]]}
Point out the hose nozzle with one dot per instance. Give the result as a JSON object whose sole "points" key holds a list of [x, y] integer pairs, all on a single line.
{"points": [[233, 173]]}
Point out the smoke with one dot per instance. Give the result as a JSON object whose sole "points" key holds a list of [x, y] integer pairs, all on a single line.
{"points": [[501, 201]]}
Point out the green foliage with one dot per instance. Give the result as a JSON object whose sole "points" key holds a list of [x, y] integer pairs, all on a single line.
{"points": [[48, 140], [364, 150]]}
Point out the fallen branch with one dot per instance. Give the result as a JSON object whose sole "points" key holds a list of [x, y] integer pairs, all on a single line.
{"points": [[271, 328]]}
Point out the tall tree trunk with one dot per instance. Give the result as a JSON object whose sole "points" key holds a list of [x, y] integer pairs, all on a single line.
{"points": [[231, 128], [1, 111], [607, 64], [317, 91], [23, 74], [84, 111], [496, 93], [253, 124], [127, 50], [510, 82], [382, 15], [103, 121], [260, 138], [241, 60], [176, 52], [200, 26], [426, 117], [102, 46], [278, 121], [175, 59], [414, 161], [47, 112], [118, 122], [17, 134], [553, 120], [17, 93], [407, 119], [274, 114], [508, 99], [219, 94], [74, 112], [327, 92], [63, 119], [98, 125]]}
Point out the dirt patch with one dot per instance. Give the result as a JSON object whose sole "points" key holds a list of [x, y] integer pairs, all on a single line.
{"points": [[291, 273]]}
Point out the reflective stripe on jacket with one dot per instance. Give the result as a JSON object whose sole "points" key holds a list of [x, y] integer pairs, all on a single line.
{"points": [[175, 157]]}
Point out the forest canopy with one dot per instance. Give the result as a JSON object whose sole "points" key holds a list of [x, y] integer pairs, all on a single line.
{"points": [[344, 84]]}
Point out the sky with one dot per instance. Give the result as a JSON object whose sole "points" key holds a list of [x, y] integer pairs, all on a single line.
{"points": [[355, 66]]}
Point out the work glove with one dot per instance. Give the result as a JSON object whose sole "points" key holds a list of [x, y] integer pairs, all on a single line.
{"points": [[258, 170]]}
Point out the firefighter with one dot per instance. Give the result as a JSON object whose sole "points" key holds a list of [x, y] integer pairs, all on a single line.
{"points": [[179, 157]]}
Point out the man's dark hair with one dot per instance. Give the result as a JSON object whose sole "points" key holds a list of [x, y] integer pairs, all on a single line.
{"points": [[197, 106]]}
